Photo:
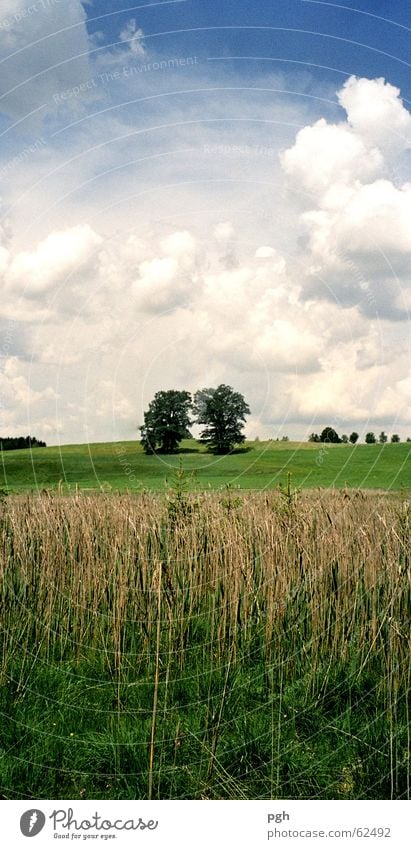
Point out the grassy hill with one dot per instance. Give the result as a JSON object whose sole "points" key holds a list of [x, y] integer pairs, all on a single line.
{"points": [[257, 465]]}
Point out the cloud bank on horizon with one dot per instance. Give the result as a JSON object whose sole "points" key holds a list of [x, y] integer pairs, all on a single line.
{"points": [[170, 222]]}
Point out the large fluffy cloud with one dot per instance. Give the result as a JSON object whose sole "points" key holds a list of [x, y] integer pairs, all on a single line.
{"points": [[358, 149], [358, 234], [376, 112], [329, 153], [57, 258]]}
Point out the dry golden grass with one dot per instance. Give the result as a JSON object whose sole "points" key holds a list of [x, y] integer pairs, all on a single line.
{"points": [[151, 586], [329, 567]]}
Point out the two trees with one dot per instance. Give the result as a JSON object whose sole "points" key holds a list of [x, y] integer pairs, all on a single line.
{"points": [[167, 420]]}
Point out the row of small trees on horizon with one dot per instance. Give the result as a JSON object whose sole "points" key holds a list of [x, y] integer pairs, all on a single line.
{"points": [[331, 435]]}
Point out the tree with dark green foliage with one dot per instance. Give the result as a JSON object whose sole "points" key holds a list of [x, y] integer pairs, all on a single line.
{"points": [[395, 438], [329, 435], [314, 437], [166, 422], [370, 438], [223, 411], [344, 438], [383, 438], [354, 437]]}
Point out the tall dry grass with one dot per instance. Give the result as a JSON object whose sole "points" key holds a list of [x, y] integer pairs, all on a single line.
{"points": [[148, 588]]}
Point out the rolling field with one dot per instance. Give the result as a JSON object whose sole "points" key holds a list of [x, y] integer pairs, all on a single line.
{"points": [[258, 465]]}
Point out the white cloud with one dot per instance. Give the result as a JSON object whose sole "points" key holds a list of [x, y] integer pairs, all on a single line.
{"points": [[162, 285], [286, 346], [374, 218], [181, 245], [4, 259], [265, 252], [224, 231], [247, 326], [376, 112], [324, 154], [111, 402], [327, 157], [132, 35], [15, 387], [358, 245], [59, 255]]}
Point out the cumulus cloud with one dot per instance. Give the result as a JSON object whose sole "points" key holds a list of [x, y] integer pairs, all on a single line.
{"points": [[224, 231], [180, 245], [370, 219], [265, 252], [324, 154], [16, 387], [109, 401], [188, 322], [285, 346], [57, 257], [376, 112], [358, 242], [165, 282]]}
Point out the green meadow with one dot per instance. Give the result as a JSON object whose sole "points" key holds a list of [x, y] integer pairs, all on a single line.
{"points": [[123, 466]]}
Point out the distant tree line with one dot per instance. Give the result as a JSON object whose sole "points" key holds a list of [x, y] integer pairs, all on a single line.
{"points": [[331, 435], [13, 443]]}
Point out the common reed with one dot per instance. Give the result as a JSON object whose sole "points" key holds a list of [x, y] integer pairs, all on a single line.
{"points": [[214, 645]]}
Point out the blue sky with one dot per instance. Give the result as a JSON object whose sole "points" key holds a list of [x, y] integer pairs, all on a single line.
{"points": [[204, 192], [366, 38]]}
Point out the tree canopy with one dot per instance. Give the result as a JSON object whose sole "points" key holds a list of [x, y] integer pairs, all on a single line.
{"points": [[223, 412], [166, 422], [329, 435]]}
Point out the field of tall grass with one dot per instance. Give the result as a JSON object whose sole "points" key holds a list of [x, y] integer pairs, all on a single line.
{"points": [[205, 646]]}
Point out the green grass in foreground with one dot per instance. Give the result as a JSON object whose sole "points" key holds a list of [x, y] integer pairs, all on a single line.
{"points": [[258, 465], [72, 731]]}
